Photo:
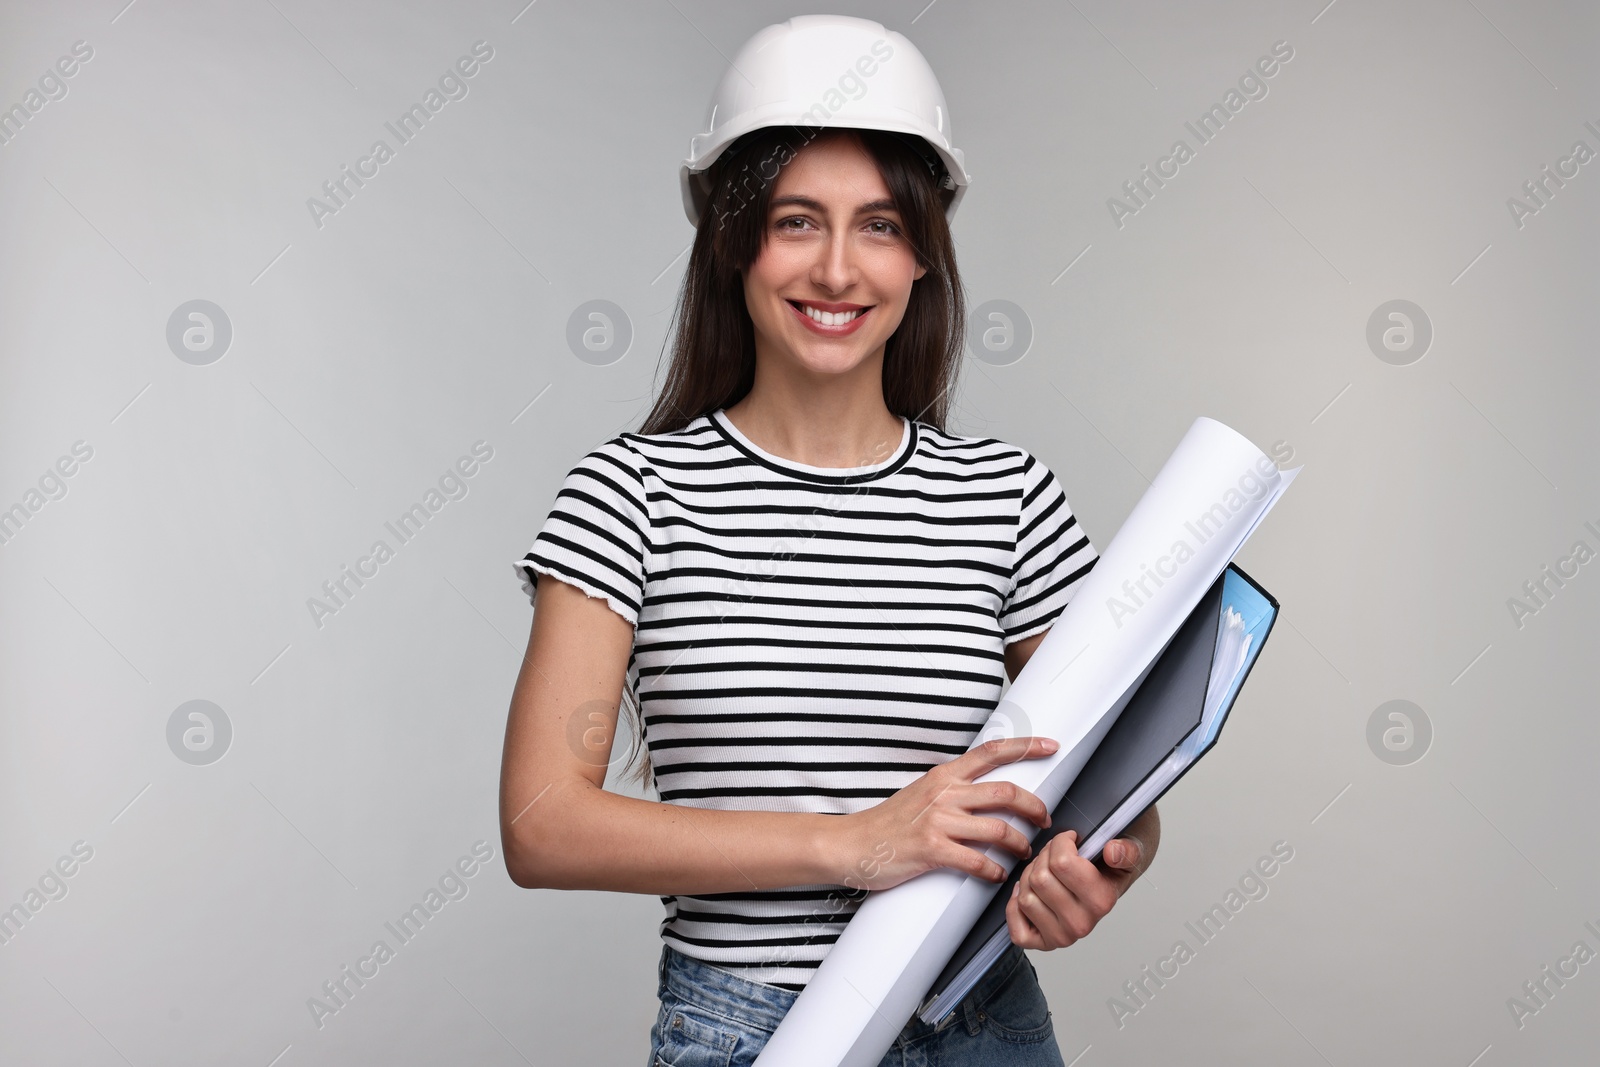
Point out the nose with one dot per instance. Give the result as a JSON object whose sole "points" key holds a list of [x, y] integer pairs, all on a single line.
{"points": [[835, 268]]}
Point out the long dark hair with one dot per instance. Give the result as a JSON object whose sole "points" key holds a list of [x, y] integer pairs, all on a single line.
{"points": [[713, 362], [713, 352]]}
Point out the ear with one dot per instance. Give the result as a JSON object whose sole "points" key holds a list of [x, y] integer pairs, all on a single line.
{"points": [[921, 270]]}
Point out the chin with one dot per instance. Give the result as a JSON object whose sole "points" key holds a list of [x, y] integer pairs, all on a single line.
{"points": [[833, 359]]}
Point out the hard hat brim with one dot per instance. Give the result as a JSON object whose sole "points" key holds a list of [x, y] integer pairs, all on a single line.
{"points": [[692, 184]]}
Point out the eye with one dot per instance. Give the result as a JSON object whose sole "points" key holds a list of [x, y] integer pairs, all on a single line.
{"points": [[890, 229], [783, 224]]}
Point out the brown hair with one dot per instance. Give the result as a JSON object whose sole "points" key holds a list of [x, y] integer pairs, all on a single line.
{"points": [[714, 354]]}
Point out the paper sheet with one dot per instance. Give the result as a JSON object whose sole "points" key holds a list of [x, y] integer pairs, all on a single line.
{"points": [[1205, 501]]}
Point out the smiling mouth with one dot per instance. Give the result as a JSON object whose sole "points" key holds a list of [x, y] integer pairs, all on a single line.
{"points": [[829, 318]]}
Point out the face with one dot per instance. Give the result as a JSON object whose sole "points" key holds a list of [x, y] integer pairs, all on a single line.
{"points": [[834, 276]]}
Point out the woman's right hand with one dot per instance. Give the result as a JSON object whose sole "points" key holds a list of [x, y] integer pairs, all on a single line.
{"points": [[924, 825]]}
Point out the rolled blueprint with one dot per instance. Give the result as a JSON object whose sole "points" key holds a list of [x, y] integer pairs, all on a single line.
{"points": [[1207, 499]]}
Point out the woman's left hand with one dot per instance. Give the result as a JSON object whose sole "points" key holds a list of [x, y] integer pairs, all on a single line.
{"points": [[1061, 896]]}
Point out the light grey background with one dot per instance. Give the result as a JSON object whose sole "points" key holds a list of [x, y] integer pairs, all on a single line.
{"points": [[431, 312]]}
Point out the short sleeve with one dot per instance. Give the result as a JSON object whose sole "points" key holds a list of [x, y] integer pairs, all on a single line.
{"points": [[597, 534], [1052, 556]]}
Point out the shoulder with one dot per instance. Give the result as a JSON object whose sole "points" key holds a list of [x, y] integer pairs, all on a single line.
{"points": [[634, 454], [616, 455], [987, 455], [671, 448], [959, 448]]}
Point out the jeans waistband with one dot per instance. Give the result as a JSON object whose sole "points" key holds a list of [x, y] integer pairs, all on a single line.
{"points": [[763, 1006]]}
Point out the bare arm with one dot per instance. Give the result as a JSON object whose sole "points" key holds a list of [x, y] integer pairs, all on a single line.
{"points": [[560, 829]]}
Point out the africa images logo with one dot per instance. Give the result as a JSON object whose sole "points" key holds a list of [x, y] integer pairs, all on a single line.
{"points": [[454, 484], [341, 189], [453, 885], [1253, 85]]}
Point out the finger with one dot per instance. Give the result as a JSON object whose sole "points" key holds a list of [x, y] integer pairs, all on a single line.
{"points": [[1086, 884], [1076, 915], [1034, 936], [1124, 853], [1042, 880], [986, 796], [999, 751], [1041, 915], [1059, 916], [972, 862], [1130, 853], [1023, 932], [991, 832], [1039, 873]]}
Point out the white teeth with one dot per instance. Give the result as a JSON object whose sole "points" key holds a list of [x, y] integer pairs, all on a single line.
{"points": [[831, 318]]}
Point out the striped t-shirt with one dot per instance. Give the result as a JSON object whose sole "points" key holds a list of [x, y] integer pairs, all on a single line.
{"points": [[807, 638]]}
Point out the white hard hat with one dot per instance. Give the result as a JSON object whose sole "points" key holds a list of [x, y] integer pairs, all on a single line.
{"points": [[824, 71]]}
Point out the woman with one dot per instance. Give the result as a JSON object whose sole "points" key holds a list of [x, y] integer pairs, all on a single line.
{"points": [[810, 587]]}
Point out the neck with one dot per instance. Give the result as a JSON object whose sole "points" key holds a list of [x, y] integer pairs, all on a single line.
{"points": [[838, 421]]}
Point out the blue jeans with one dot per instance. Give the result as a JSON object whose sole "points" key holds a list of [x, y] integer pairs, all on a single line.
{"points": [[710, 1017]]}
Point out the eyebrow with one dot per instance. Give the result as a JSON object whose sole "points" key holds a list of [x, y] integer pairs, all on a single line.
{"points": [[806, 202]]}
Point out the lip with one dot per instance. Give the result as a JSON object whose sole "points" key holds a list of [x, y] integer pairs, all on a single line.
{"points": [[830, 305], [831, 331]]}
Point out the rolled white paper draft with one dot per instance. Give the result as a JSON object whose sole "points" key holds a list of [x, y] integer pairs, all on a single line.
{"points": [[1207, 499]]}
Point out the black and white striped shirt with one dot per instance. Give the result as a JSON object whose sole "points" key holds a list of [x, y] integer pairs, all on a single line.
{"points": [[807, 638]]}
